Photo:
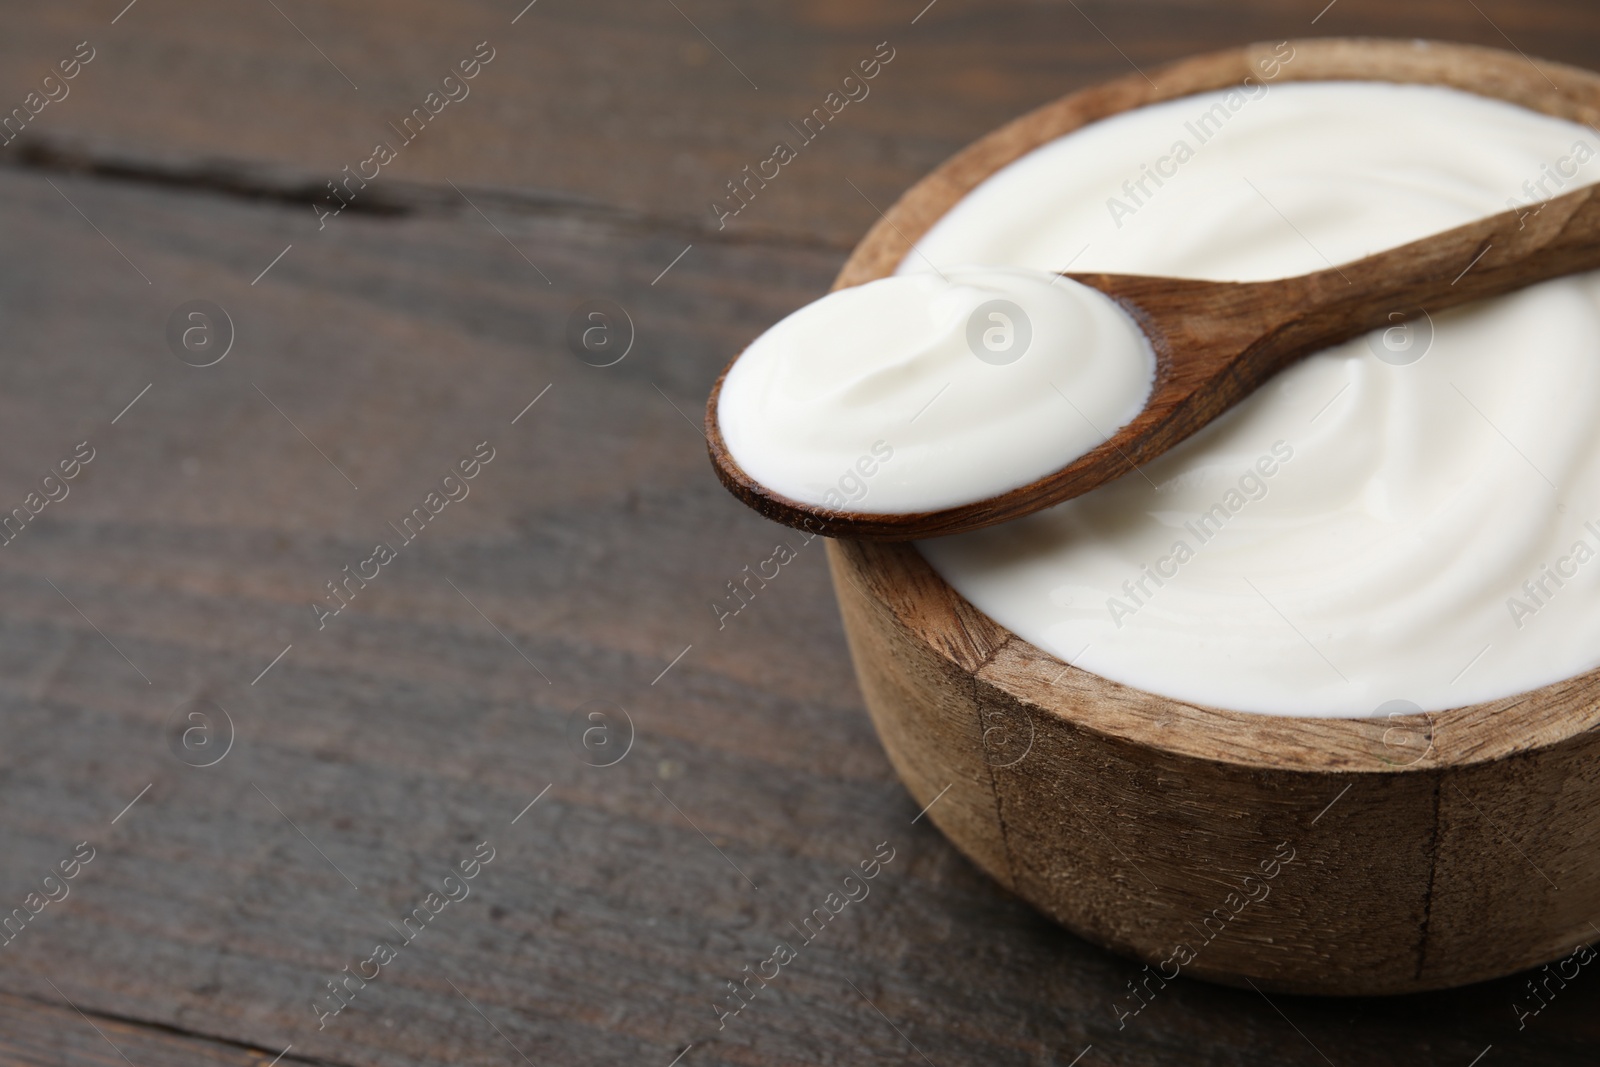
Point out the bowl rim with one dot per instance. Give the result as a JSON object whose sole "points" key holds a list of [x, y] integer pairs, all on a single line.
{"points": [[900, 580]]}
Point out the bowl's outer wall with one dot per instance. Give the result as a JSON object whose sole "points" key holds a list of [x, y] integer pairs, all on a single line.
{"points": [[1428, 852]]}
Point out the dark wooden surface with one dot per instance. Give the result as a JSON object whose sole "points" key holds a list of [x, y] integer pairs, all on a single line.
{"points": [[379, 750]]}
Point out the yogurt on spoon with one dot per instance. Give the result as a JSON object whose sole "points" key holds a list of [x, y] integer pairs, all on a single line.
{"points": [[932, 390]]}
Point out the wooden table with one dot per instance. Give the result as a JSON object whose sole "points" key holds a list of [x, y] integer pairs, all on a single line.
{"points": [[697, 783]]}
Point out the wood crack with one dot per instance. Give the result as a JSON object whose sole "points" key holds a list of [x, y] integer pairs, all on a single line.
{"points": [[1433, 870], [983, 749], [172, 1030], [391, 198]]}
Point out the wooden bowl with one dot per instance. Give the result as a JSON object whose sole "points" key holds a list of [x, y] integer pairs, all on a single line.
{"points": [[1332, 856]]}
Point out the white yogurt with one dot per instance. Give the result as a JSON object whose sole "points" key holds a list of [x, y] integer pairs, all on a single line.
{"points": [[927, 391], [1362, 530]]}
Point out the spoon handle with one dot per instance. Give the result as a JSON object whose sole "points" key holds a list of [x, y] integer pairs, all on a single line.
{"points": [[1216, 342], [1489, 257], [1492, 256]]}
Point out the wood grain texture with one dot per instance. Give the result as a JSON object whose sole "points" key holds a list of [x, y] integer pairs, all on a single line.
{"points": [[626, 107], [1115, 782], [410, 729]]}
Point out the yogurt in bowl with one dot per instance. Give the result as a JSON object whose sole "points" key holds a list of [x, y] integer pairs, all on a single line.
{"points": [[1410, 516]]}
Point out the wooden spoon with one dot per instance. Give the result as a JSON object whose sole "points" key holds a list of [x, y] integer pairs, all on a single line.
{"points": [[1216, 342]]}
